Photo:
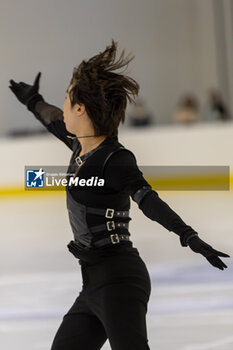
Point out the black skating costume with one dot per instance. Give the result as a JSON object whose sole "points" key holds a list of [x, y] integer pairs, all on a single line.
{"points": [[116, 284]]}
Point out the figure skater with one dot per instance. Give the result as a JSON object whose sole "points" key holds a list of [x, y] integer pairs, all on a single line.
{"points": [[116, 284]]}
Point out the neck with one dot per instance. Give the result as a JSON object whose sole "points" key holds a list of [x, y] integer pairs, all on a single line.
{"points": [[89, 143]]}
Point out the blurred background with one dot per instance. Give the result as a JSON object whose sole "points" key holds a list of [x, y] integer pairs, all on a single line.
{"points": [[182, 117]]}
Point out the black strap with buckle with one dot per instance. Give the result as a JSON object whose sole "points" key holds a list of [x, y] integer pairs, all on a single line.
{"points": [[113, 239], [108, 213], [109, 226]]}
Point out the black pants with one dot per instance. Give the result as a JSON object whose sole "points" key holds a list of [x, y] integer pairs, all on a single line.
{"points": [[112, 304]]}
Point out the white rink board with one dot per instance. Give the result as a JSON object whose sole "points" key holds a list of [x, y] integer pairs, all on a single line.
{"points": [[201, 144]]}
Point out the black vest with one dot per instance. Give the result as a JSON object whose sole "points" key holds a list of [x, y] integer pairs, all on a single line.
{"points": [[81, 220]]}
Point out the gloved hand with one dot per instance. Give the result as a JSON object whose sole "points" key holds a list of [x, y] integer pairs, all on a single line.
{"points": [[76, 248], [199, 246], [84, 253], [25, 93]]}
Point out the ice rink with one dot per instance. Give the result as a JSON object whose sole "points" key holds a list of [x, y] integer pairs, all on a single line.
{"points": [[191, 304]]}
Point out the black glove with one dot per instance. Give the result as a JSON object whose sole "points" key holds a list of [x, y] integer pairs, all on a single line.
{"points": [[84, 253], [199, 246], [76, 248], [81, 252], [27, 94]]}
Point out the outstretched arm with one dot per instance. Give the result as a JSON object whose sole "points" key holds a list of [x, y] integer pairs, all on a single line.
{"points": [[155, 208], [126, 176], [50, 116]]}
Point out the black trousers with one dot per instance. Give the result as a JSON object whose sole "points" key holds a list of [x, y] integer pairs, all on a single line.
{"points": [[112, 304]]}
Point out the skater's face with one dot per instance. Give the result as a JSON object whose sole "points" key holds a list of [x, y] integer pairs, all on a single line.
{"points": [[73, 117]]}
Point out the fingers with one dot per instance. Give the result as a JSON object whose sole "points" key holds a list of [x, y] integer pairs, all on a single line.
{"points": [[220, 253], [216, 262], [37, 79], [13, 83], [211, 251], [23, 84]]}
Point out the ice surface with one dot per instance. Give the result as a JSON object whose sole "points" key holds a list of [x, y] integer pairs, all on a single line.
{"points": [[191, 304]]}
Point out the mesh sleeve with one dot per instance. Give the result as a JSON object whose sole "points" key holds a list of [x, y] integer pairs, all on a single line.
{"points": [[52, 118], [47, 113]]}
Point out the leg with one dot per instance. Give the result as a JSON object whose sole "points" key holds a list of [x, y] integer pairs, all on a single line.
{"points": [[79, 330], [122, 309]]}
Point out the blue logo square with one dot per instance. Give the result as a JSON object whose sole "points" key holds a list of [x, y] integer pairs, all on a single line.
{"points": [[35, 178]]}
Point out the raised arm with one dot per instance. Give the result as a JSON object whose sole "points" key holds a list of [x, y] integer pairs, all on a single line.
{"points": [[50, 116], [125, 176]]}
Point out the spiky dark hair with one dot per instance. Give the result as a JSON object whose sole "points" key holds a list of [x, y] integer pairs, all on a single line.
{"points": [[104, 92]]}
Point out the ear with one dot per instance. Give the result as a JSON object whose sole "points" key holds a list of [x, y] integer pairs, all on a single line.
{"points": [[80, 109]]}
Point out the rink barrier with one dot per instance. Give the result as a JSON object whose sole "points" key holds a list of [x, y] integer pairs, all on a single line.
{"points": [[177, 145]]}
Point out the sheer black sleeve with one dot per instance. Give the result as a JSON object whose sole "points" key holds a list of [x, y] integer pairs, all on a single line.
{"points": [[125, 176], [52, 118]]}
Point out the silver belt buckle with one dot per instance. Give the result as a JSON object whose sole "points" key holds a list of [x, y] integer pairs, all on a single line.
{"points": [[112, 224], [109, 215], [113, 236]]}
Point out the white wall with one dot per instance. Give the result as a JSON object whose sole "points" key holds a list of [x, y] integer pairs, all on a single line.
{"points": [[201, 144], [172, 41]]}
